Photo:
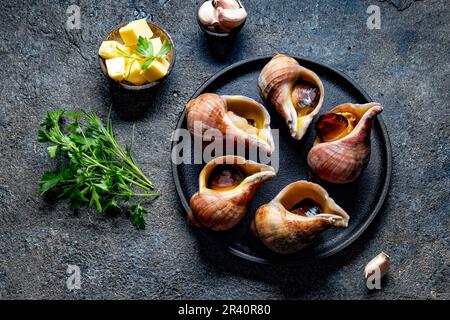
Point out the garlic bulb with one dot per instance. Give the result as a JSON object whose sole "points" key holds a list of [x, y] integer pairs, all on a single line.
{"points": [[222, 15]]}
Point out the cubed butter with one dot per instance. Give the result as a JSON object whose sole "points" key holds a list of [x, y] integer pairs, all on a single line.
{"points": [[133, 72], [131, 32], [108, 49], [164, 62], [124, 49], [116, 68], [156, 43], [155, 71]]}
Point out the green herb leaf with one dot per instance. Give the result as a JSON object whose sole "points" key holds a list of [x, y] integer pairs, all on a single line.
{"points": [[95, 200], [65, 173], [145, 50], [144, 47], [76, 198], [52, 151], [147, 63], [102, 185], [52, 119], [123, 53], [77, 139], [42, 136], [48, 181], [165, 48], [111, 204], [72, 115], [138, 214], [74, 127]]}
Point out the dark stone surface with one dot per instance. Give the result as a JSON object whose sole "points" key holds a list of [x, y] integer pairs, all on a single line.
{"points": [[405, 66]]}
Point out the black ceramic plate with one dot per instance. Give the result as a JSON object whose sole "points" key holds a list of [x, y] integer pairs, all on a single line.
{"points": [[362, 199]]}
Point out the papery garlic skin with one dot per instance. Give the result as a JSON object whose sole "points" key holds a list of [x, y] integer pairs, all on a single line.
{"points": [[222, 15]]}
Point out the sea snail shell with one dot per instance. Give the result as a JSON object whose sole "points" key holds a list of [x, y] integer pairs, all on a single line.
{"points": [[342, 146], [295, 92], [294, 218], [226, 187], [238, 118]]}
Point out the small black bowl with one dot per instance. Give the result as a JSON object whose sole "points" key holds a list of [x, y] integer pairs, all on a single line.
{"points": [[129, 100]]}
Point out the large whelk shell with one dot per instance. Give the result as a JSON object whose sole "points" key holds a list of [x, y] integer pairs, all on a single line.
{"points": [[230, 115], [294, 218], [226, 187], [342, 160], [279, 82]]}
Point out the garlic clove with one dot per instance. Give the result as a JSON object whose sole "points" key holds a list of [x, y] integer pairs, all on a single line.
{"points": [[381, 262], [207, 14], [227, 4], [231, 18]]}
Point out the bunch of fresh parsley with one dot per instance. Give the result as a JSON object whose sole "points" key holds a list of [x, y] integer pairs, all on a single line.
{"points": [[146, 52], [93, 169]]}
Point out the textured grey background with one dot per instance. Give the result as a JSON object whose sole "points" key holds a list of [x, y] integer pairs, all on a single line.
{"points": [[405, 66]]}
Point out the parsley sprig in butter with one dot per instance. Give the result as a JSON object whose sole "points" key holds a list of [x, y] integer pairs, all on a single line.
{"points": [[145, 50]]}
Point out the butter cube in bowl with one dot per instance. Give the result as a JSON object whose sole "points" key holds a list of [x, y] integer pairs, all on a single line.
{"points": [[136, 57]]}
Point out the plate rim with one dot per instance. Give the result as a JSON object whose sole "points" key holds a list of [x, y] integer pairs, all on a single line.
{"points": [[379, 122]]}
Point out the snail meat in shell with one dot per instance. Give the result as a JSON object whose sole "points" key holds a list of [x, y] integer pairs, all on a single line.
{"points": [[226, 186], [342, 147], [295, 92], [296, 216], [225, 177], [306, 208], [238, 118]]}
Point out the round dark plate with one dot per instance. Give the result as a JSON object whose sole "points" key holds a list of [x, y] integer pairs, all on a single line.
{"points": [[362, 199]]}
